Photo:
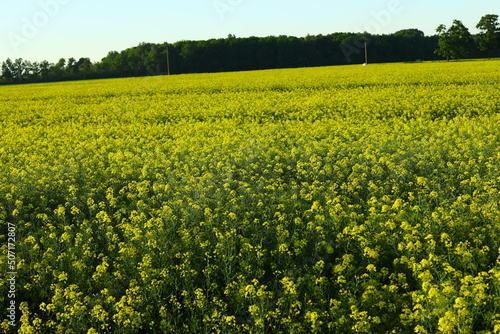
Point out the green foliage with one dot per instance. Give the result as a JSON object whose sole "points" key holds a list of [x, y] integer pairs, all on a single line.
{"points": [[456, 42], [489, 38]]}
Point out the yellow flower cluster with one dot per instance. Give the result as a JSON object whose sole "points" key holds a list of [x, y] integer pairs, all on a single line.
{"points": [[330, 200]]}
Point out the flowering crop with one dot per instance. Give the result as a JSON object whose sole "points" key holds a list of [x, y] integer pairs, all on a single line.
{"points": [[339, 199]]}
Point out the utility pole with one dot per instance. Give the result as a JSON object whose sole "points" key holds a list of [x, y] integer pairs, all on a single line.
{"points": [[168, 63], [366, 54]]}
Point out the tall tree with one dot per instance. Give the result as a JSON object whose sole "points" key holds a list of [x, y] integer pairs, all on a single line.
{"points": [[444, 45], [462, 40], [19, 68], [83, 68], [44, 68], [489, 37], [456, 42], [7, 70]]}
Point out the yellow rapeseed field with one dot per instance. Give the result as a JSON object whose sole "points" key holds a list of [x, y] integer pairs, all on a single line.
{"points": [[323, 200]]}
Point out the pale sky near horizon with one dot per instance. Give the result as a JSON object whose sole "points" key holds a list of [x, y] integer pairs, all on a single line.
{"points": [[51, 29]]}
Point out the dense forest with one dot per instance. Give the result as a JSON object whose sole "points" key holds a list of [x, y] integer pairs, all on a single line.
{"points": [[254, 53]]}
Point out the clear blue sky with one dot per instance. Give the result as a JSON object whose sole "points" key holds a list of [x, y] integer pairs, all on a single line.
{"points": [[51, 29]]}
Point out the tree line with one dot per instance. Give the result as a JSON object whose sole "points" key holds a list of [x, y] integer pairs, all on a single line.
{"points": [[458, 42], [254, 53]]}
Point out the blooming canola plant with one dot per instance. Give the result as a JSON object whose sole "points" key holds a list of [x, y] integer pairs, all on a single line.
{"points": [[337, 199]]}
